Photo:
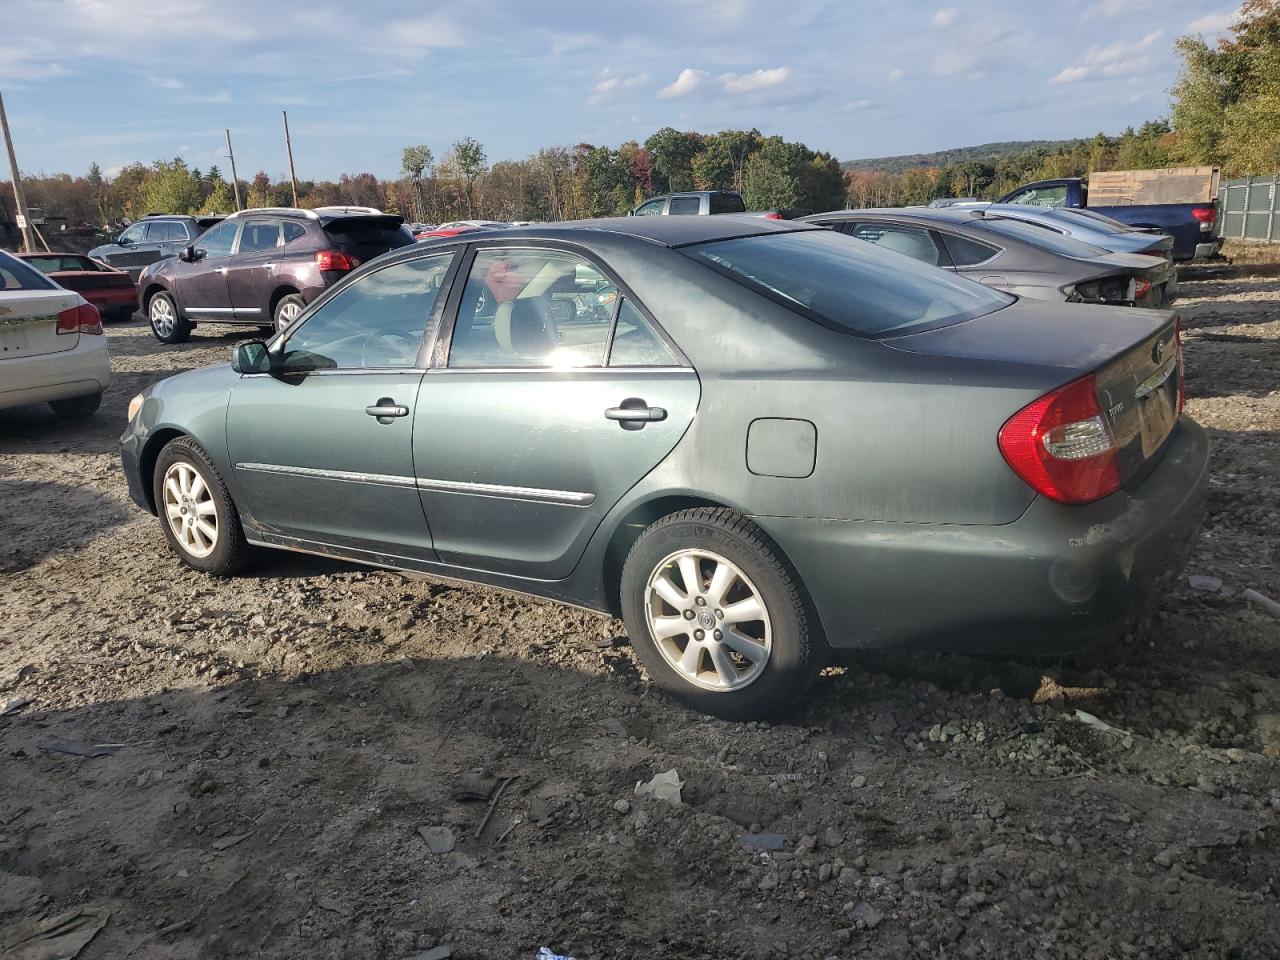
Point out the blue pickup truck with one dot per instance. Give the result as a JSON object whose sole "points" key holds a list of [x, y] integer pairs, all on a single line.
{"points": [[1190, 224]]}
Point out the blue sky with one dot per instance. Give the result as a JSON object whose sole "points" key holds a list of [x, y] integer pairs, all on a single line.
{"points": [[121, 80]]}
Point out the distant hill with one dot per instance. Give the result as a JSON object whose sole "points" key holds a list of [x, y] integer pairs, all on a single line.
{"points": [[983, 153]]}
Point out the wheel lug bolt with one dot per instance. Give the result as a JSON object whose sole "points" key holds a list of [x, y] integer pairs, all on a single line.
{"points": [[718, 635], [688, 614], [719, 614], [700, 602], [699, 635]]}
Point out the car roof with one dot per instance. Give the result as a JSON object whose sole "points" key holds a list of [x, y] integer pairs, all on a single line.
{"points": [[666, 231], [954, 215]]}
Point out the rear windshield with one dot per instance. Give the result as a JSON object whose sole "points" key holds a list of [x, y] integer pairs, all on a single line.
{"points": [[16, 275], [727, 203], [849, 284], [55, 263], [1044, 237], [371, 234]]}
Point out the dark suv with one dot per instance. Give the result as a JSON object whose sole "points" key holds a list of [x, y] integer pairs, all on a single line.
{"points": [[152, 238], [261, 267]]}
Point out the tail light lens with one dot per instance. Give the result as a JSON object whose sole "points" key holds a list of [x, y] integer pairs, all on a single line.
{"points": [[1062, 446], [335, 260], [1141, 287], [1206, 216], [81, 319], [773, 216]]}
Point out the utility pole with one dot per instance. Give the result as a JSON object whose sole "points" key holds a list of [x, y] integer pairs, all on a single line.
{"points": [[235, 180], [24, 217], [288, 145]]}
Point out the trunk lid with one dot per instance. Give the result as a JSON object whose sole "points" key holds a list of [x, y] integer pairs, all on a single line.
{"points": [[366, 236], [91, 279], [1132, 354], [29, 322]]}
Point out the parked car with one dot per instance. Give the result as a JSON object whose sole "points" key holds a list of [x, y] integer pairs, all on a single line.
{"points": [[1190, 224], [111, 291], [152, 238], [943, 202], [455, 227], [707, 202], [261, 267], [52, 349], [1010, 254], [1104, 232], [781, 440]]}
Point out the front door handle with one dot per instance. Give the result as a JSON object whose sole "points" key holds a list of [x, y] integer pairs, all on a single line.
{"points": [[386, 410], [634, 413]]}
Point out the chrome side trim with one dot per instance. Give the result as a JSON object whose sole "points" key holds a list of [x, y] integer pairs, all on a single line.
{"points": [[568, 498], [346, 476], [221, 311]]}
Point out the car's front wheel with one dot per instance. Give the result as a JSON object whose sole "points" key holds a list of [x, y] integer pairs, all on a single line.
{"points": [[167, 323], [719, 616], [199, 518]]}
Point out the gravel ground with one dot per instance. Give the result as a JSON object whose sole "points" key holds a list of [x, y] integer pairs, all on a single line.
{"points": [[286, 747]]}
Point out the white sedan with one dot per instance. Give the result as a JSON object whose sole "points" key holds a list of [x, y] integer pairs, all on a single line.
{"points": [[52, 348]]}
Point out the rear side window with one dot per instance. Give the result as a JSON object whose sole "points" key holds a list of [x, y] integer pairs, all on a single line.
{"points": [[914, 242], [965, 252], [293, 231], [1042, 237], [847, 285], [727, 203], [635, 344], [685, 206], [16, 275], [165, 231]]}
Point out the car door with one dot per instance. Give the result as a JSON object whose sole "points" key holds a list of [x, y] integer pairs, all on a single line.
{"points": [[540, 411], [131, 251], [202, 283], [322, 446], [251, 272], [171, 237]]}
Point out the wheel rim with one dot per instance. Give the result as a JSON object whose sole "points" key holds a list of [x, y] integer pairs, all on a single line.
{"points": [[708, 620], [287, 313], [190, 510], [162, 316]]}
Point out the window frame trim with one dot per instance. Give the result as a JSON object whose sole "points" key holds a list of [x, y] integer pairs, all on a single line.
{"points": [[439, 362]]}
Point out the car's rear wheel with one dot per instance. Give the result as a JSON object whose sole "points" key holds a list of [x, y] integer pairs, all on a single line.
{"points": [[288, 310], [719, 616], [199, 518], [77, 408], [167, 324], [122, 315]]}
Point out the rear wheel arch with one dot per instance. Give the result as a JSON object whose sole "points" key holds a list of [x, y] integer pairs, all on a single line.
{"points": [[278, 294]]}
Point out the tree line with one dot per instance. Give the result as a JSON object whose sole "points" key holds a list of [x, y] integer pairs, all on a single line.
{"points": [[1225, 111]]}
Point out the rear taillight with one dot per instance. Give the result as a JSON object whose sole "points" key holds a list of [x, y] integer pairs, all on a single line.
{"points": [[1206, 216], [1141, 287], [1182, 379], [773, 216], [1061, 445], [81, 319], [335, 260]]}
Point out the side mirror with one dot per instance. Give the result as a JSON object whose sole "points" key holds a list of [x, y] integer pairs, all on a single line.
{"points": [[188, 254], [123, 241], [251, 357]]}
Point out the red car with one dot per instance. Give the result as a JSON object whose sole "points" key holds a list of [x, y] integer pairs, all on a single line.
{"points": [[110, 290]]}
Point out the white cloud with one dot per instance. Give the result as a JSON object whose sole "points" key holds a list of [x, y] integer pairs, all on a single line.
{"points": [[1120, 59], [896, 74], [610, 83], [1213, 24], [945, 17], [424, 33], [1108, 9], [685, 84], [751, 82]]}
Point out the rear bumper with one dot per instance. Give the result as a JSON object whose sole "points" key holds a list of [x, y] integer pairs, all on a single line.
{"points": [[1206, 250], [112, 299], [83, 370], [1057, 579]]}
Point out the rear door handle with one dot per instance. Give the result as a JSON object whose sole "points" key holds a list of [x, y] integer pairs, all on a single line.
{"points": [[387, 410], [634, 413]]}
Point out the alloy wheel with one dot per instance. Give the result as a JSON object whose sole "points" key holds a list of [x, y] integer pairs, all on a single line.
{"points": [[708, 620], [190, 510], [162, 318], [287, 313]]}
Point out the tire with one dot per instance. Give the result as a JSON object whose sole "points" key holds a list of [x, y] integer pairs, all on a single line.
{"points": [[287, 310], [77, 408], [771, 659], [167, 323], [122, 315], [183, 505]]}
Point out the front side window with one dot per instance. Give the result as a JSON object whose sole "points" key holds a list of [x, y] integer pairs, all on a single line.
{"points": [[685, 206], [134, 234], [259, 235], [529, 307], [218, 241], [848, 285], [651, 209], [377, 321], [915, 242]]}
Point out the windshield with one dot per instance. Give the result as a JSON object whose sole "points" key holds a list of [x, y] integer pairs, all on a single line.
{"points": [[1039, 236], [848, 284]]}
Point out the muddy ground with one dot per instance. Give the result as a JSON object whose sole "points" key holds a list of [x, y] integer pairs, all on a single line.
{"points": [[279, 739]]}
